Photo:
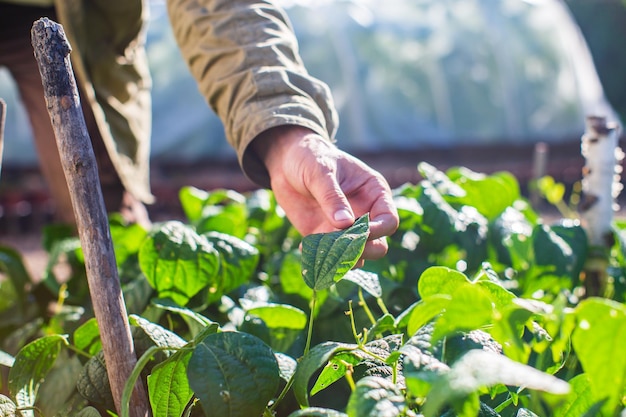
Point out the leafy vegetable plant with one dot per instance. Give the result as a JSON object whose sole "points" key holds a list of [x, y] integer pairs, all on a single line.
{"points": [[478, 309]]}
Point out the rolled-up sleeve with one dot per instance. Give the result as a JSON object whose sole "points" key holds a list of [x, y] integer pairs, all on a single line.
{"points": [[244, 57]]}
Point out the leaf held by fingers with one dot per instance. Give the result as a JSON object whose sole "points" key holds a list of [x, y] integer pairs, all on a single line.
{"points": [[327, 257]]}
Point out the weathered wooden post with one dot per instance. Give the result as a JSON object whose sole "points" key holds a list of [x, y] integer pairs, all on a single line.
{"points": [[79, 165], [601, 186], [3, 112]]}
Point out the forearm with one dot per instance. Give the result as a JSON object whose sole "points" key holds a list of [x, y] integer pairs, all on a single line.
{"points": [[244, 56]]}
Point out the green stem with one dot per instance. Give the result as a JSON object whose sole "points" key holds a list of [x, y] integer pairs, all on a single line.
{"points": [[134, 375], [281, 396], [79, 351], [357, 339], [309, 335], [307, 347], [366, 307], [382, 305]]}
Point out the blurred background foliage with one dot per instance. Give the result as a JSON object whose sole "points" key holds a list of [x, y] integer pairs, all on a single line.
{"points": [[603, 23], [411, 74]]}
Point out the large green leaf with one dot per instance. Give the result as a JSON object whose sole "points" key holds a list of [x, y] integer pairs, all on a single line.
{"points": [[158, 335], [233, 374], [127, 240], [426, 310], [32, 364], [439, 280], [489, 194], [178, 262], [561, 248], [168, 386], [366, 280], [579, 400], [311, 363], [220, 210], [437, 227], [327, 257], [375, 397], [285, 323], [238, 261], [598, 341], [478, 369], [420, 369], [196, 321]]}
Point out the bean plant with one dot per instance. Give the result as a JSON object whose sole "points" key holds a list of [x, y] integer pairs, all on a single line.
{"points": [[479, 309]]}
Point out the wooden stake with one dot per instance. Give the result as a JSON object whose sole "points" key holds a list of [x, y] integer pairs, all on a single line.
{"points": [[3, 112], [79, 165]]}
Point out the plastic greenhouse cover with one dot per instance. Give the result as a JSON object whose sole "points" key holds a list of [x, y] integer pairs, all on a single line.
{"points": [[405, 74]]}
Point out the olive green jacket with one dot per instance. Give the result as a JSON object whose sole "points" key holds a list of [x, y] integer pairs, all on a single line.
{"points": [[243, 54], [110, 62]]}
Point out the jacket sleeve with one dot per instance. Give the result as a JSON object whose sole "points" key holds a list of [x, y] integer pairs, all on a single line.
{"points": [[244, 57]]}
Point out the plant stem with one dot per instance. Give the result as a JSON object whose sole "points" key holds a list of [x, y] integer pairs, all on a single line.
{"points": [[309, 335], [363, 304], [134, 375]]}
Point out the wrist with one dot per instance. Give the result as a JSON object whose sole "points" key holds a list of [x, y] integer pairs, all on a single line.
{"points": [[272, 145]]}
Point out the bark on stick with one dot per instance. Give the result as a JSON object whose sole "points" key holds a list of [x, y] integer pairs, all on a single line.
{"points": [[3, 112], [79, 165]]}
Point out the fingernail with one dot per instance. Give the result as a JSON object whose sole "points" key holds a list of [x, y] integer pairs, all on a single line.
{"points": [[343, 214]]}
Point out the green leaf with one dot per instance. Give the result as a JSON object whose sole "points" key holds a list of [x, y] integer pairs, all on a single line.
{"points": [[32, 364], [334, 370], [317, 412], [286, 366], [196, 321], [127, 240], [562, 248], [579, 400], [316, 358], [327, 257], [367, 280], [290, 275], [220, 210], [375, 397], [552, 191], [437, 226], [421, 370], [238, 261], [59, 385], [87, 337], [93, 382], [598, 341], [168, 386], [469, 309], [12, 265], [159, 335], [285, 323], [426, 310], [478, 369], [489, 194], [178, 262], [233, 374], [439, 280]]}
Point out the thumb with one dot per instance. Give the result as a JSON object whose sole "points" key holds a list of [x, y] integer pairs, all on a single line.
{"points": [[333, 202]]}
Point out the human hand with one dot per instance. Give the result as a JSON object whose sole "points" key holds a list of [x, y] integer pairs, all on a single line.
{"points": [[323, 189]]}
